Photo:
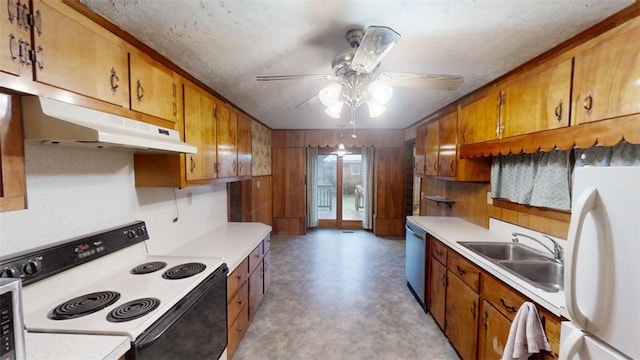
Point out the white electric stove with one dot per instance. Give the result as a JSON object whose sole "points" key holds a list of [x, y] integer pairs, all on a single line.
{"points": [[106, 283]]}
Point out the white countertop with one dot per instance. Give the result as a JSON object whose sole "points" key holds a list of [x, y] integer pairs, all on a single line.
{"points": [[41, 346], [232, 242], [451, 230]]}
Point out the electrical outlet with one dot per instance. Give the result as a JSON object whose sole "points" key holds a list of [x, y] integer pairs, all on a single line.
{"points": [[489, 198], [189, 199]]}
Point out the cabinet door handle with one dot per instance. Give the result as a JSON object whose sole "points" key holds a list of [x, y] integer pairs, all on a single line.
{"points": [[14, 48], [193, 163], [175, 109], [23, 53], [473, 310], [11, 10], [485, 320], [451, 165], [139, 91], [37, 21], [39, 58], [460, 270], [558, 111], [587, 104], [443, 279], [464, 135], [234, 165], [508, 307], [115, 81], [435, 166], [21, 17]]}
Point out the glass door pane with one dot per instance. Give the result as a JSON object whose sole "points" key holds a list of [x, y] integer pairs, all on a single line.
{"points": [[352, 190], [327, 185]]}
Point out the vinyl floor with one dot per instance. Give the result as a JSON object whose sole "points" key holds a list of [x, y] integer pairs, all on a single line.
{"points": [[340, 295]]}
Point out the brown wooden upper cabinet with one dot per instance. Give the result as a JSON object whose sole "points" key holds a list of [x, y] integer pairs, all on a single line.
{"points": [[420, 149], [432, 147], [441, 155], [479, 120], [200, 130], [16, 36], [226, 137], [538, 101], [607, 74], [155, 90], [12, 169], [68, 51]]}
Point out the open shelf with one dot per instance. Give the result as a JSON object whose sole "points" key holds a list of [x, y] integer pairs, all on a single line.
{"points": [[439, 200]]}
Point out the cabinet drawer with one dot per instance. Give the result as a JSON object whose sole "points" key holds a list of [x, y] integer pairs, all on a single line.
{"points": [[466, 271], [236, 332], [237, 278], [255, 257], [439, 251], [237, 303], [504, 299]]}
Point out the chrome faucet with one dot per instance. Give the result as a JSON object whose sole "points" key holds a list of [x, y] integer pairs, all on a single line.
{"points": [[557, 249]]}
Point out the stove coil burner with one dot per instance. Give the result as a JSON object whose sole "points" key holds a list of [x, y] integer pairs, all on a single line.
{"points": [[184, 271], [83, 305], [133, 309], [147, 268]]}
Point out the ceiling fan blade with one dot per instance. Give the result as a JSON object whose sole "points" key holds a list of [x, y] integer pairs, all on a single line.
{"points": [[295, 77], [309, 102], [375, 44], [431, 81]]}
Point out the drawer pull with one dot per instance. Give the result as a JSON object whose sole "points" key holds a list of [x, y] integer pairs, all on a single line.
{"points": [[508, 307], [460, 270], [439, 252], [239, 302]]}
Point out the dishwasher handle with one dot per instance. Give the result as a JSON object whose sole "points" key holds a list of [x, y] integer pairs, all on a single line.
{"points": [[419, 234]]}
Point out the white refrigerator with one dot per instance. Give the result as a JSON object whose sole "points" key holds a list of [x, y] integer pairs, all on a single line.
{"points": [[602, 266]]}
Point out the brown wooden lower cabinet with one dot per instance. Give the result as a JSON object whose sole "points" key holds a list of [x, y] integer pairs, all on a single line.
{"points": [[246, 287], [461, 316], [438, 285], [493, 334], [475, 310]]}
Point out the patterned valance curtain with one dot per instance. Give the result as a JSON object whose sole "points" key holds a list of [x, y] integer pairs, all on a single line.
{"points": [[623, 154], [543, 179], [312, 187], [367, 184], [538, 179]]}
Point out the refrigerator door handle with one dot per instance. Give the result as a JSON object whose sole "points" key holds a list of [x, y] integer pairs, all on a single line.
{"points": [[572, 345], [581, 208]]}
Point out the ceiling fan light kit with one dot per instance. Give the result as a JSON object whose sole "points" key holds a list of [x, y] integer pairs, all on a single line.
{"points": [[360, 81]]}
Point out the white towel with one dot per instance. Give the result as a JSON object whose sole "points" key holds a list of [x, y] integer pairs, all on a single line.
{"points": [[526, 335]]}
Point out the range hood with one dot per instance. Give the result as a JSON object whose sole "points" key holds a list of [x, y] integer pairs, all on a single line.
{"points": [[56, 122]]}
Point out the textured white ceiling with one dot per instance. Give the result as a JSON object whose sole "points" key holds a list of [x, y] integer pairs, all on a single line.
{"points": [[225, 44]]}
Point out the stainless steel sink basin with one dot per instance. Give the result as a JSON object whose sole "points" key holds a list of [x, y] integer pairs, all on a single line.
{"points": [[504, 251], [524, 262], [548, 275]]}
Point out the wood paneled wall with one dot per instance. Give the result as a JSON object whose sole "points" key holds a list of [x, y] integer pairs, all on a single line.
{"points": [[389, 185], [261, 210], [289, 190], [471, 205]]}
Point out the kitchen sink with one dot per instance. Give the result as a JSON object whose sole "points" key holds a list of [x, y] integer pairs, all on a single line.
{"points": [[548, 275], [504, 251], [524, 262]]}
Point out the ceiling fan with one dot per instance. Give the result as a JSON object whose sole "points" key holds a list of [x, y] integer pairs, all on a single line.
{"points": [[358, 80]]}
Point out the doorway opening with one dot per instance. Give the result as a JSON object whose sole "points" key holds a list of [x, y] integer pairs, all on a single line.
{"points": [[340, 191]]}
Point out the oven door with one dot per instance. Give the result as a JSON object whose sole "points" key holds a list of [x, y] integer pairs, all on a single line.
{"points": [[194, 328]]}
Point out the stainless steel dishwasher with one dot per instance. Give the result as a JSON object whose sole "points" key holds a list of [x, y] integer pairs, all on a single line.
{"points": [[415, 262]]}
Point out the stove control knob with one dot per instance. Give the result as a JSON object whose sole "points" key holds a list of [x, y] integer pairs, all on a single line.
{"points": [[130, 234], [140, 231], [10, 272], [32, 267]]}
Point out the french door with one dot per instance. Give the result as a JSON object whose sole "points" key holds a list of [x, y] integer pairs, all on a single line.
{"points": [[340, 192]]}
